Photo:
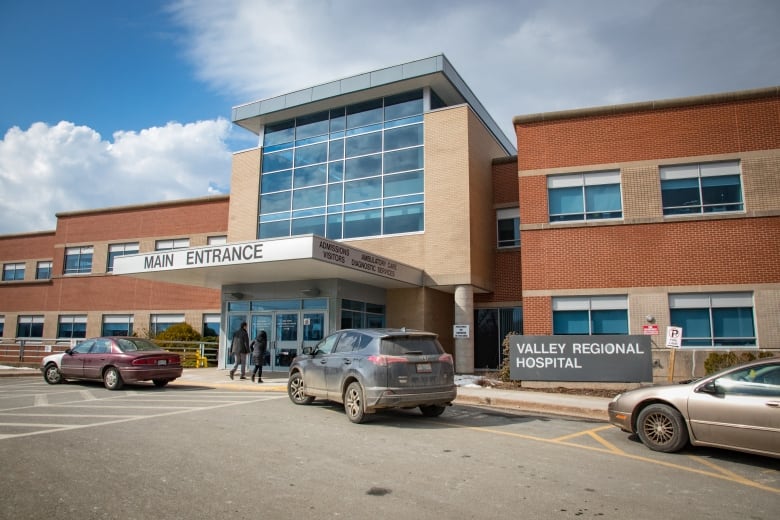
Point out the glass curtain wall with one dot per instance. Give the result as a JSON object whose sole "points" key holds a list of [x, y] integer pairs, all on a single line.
{"points": [[354, 171]]}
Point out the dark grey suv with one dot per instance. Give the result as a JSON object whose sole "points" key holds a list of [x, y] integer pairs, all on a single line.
{"points": [[370, 369]]}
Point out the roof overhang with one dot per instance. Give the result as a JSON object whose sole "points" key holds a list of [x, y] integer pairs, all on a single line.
{"points": [[434, 72], [307, 257]]}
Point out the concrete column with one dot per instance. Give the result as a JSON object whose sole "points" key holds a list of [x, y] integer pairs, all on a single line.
{"points": [[464, 315]]}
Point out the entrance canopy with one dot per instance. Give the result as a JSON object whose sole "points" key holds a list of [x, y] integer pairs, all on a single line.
{"points": [[307, 257]]}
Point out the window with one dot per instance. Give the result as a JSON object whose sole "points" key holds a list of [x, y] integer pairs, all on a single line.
{"points": [[13, 272], [217, 240], [491, 327], [357, 315], [160, 322], [43, 271], [584, 196], [508, 227], [176, 243], [117, 325], [115, 250], [29, 327], [701, 188], [354, 171], [72, 327], [714, 320], [590, 315], [78, 260], [2, 325], [211, 325]]}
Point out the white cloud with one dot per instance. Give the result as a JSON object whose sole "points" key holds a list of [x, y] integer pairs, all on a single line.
{"points": [[49, 169]]}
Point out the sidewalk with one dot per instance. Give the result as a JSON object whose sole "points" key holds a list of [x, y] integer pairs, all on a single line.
{"points": [[587, 407]]}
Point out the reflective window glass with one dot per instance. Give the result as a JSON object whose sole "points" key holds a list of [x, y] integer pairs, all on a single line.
{"points": [[275, 202], [312, 125], [403, 219], [305, 226], [277, 161], [310, 176], [403, 137], [403, 183], [309, 197], [363, 189], [362, 223], [276, 181], [363, 114], [409, 159], [364, 144], [279, 133], [311, 154], [336, 171], [403, 105], [365, 166]]}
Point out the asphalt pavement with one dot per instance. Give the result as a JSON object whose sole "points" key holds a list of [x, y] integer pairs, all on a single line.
{"points": [[589, 407]]}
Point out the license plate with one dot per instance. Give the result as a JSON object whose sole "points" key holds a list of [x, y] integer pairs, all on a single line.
{"points": [[423, 368], [162, 361]]}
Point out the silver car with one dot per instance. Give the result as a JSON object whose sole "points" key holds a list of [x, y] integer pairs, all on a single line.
{"points": [[370, 369], [737, 408]]}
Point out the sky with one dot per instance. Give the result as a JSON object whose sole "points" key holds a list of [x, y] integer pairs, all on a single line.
{"points": [[107, 102]]}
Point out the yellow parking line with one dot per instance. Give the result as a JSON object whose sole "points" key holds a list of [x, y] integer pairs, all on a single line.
{"points": [[584, 432], [615, 451], [714, 466], [604, 442]]}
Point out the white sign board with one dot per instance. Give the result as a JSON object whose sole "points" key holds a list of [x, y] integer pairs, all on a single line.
{"points": [[674, 337], [460, 331]]}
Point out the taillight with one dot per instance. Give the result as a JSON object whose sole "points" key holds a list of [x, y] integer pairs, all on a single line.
{"points": [[446, 358], [383, 360], [145, 361]]}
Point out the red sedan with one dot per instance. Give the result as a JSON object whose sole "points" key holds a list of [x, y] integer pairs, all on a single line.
{"points": [[115, 361]]}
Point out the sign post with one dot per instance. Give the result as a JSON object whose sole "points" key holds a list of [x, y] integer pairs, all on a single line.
{"points": [[673, 341]]}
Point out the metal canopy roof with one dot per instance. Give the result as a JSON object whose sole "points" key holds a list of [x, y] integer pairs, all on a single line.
{"points": [[299, 258], [435, 72]]}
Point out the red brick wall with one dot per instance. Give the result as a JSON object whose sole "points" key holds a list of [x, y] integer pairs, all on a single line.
{"points": [[735, 126], [190, 217], [672, 253], [22, 247], [537, 315], [505, 186]]}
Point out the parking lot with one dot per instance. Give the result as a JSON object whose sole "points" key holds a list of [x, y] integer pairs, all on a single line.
{"points": [[229, 434]]}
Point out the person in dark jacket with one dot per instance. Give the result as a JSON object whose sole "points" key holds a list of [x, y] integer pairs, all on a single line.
{"points": [[258, 347], [240, 348]]}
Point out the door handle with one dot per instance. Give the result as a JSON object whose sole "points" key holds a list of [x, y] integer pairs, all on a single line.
{"points": [[773, 404], [347, 361]]}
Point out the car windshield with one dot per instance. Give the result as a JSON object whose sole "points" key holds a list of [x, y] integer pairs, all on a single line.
{"points": [[405, 345], [133, 344]]}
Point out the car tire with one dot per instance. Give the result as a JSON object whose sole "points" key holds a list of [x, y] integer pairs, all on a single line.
{"points": [[52, 374], [353, 403], [112, 379], [159, 383], [662, 428], [295, 390], [433, 410]]}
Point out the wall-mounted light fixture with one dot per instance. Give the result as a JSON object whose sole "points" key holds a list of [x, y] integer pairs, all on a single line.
{"points": [[650, 318], [314, 291]]}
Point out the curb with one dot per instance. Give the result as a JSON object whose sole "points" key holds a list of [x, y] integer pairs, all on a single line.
{"points": [[530, 406]]}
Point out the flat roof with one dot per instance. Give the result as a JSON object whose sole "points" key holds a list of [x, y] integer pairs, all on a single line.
{"points": [[306, 257], [435, 72]]}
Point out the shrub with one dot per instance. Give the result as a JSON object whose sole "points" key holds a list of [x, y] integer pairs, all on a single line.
{"points": [[717, 361], [503, 374]]}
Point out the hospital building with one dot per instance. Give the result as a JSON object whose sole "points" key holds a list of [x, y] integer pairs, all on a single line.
{"points": [[393, 199]]}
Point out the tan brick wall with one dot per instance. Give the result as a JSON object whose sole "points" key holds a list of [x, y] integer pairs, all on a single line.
{"points": [[641, 193], [244, 196], [761, 182], [767, 307]]}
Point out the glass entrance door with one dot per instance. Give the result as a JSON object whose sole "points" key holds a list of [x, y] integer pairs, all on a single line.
{"points": [[264, 322], [286, 342], [288, 332]]}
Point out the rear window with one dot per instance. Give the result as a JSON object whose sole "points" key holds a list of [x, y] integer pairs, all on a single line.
{"points": [[405, 346], [134, 344]]}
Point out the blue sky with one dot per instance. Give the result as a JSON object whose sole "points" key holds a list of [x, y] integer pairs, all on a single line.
{"points": [[107, 102]]}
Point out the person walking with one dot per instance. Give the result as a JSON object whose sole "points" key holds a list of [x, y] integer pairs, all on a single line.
{"points": [[240, 348], [258, 348]]}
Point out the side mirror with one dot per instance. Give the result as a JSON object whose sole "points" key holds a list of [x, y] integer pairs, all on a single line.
{"points": [[308, 351], [69, 352], [711, 387]]}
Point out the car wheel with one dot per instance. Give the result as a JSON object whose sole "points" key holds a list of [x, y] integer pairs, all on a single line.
{"points": [[159, 383], [433, 410], [112, 379], [295, 390], [52, 374], [353, 403], [662, 428]]}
